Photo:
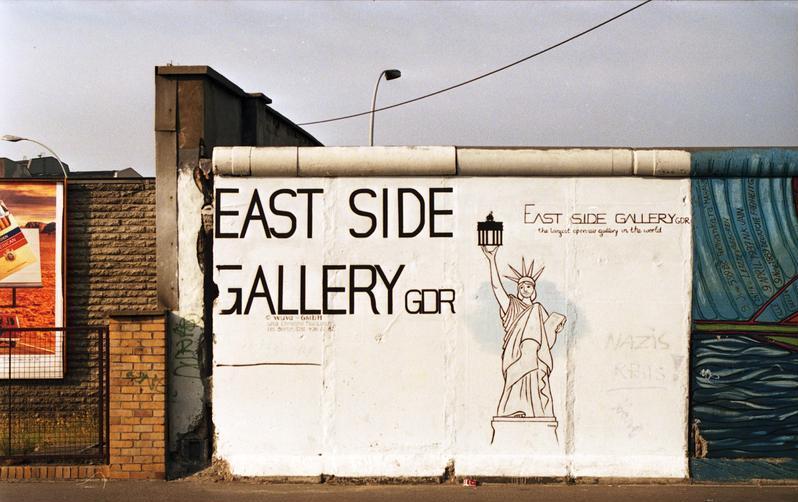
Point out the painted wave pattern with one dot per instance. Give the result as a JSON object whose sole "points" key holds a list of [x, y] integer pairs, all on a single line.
{"points": [[745, 397], [746, 248]]}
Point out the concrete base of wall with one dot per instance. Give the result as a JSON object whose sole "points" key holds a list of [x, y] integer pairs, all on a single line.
{"points": [[511, 433], [723, 470]]}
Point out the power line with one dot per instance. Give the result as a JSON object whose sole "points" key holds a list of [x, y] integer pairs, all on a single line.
{"points": [[497, 70]]}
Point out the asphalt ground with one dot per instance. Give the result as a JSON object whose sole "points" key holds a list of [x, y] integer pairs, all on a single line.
{"points": [[208, 491]]}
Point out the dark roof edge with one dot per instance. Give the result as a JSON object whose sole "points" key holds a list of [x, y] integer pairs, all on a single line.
{"points": [[143, 179], [203, 70], [297, 128], [207, 71]]}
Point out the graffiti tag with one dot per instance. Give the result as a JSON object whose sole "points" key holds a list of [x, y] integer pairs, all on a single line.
{"points": [[708, 376], [627, 420], [152, 381], [186, 334]]}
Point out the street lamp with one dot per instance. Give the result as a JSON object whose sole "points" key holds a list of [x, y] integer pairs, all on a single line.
{"points": [[14, 139], [389, 75]]}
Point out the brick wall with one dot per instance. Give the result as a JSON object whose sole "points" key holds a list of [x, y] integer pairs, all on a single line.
{"points": [[137, 396], [54, 472], [110, 252], [137, 406], [110, 249]]}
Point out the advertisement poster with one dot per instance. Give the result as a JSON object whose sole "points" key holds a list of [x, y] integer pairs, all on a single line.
{"points": [[31, 275]]}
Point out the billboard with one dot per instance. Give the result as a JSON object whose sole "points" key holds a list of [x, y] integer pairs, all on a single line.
{"points": [[31, 279], [393, 326]]}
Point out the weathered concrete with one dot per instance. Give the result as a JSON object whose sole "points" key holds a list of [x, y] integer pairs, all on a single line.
{"points": [[197, 109], [448, 161]]}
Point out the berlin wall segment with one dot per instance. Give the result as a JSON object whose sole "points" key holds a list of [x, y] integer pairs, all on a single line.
{"points": [[379, 333], [370, 389], [744, 357]]}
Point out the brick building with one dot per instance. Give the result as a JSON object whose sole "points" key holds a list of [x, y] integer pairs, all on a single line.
{"points": [[117, 372]]}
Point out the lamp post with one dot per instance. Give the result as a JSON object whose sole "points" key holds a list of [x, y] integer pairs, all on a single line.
{"points": [[389, 75], [14, 139]]}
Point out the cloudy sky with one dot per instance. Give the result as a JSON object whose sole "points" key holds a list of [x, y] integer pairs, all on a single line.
{"points": [[29, 201], [78, 76]]}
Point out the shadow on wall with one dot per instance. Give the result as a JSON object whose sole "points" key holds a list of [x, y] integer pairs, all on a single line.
{"points": [[189, 452], [485, 324]]}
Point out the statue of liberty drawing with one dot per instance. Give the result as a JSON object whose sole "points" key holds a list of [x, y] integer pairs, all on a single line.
{"points": [[530, 332]]}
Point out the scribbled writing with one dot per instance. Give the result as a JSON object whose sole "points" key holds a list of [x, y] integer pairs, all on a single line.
{"points": [[186, 337], [141, 378]]}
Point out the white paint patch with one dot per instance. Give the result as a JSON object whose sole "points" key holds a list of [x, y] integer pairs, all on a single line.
{"points": [[370, 386], [186, 390]]}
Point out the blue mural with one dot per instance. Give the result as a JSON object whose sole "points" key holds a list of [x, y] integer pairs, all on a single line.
{"points": [[744, 384]]}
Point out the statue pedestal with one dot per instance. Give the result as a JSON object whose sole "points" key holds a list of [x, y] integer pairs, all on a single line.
{"points": [[524, 433]]}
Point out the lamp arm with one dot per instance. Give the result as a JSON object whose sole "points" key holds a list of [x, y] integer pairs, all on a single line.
{"points": [[373, 107], [63, 169]]}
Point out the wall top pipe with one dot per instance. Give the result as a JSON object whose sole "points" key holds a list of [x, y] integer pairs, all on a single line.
{"points": [[448, 161]]}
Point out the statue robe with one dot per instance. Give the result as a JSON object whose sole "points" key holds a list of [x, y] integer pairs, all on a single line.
{"points": [[530, 333]]}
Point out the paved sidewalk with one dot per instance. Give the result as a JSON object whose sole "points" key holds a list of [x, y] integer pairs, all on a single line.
{"points": [[206, 491]]}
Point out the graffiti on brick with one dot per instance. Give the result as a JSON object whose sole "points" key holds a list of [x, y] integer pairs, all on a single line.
{"points": [[142, 378]]}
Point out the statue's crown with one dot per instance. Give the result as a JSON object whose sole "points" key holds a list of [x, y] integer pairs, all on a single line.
{"points": [[526, 274]]}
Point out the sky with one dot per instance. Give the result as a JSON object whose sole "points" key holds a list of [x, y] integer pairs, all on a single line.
{"points": [[78, 76]]}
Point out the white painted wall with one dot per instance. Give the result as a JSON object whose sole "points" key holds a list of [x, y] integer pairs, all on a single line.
{"points": [[186, 391], [403, 394]]}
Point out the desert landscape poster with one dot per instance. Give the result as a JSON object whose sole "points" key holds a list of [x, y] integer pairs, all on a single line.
{"points": [[31, 292]]}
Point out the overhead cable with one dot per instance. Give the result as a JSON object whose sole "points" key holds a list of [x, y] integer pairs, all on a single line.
{"points": [[479, 77]]}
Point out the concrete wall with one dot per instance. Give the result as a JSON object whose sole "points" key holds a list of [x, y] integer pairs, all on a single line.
{"points": [[197, 109], [745, 315], [380, 389]]}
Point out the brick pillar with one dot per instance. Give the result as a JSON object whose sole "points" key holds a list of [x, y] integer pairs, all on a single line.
{"points": [[138, 395]]}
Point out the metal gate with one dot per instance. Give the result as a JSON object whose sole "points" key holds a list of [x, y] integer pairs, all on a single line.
{"points": [[54, 395]]}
